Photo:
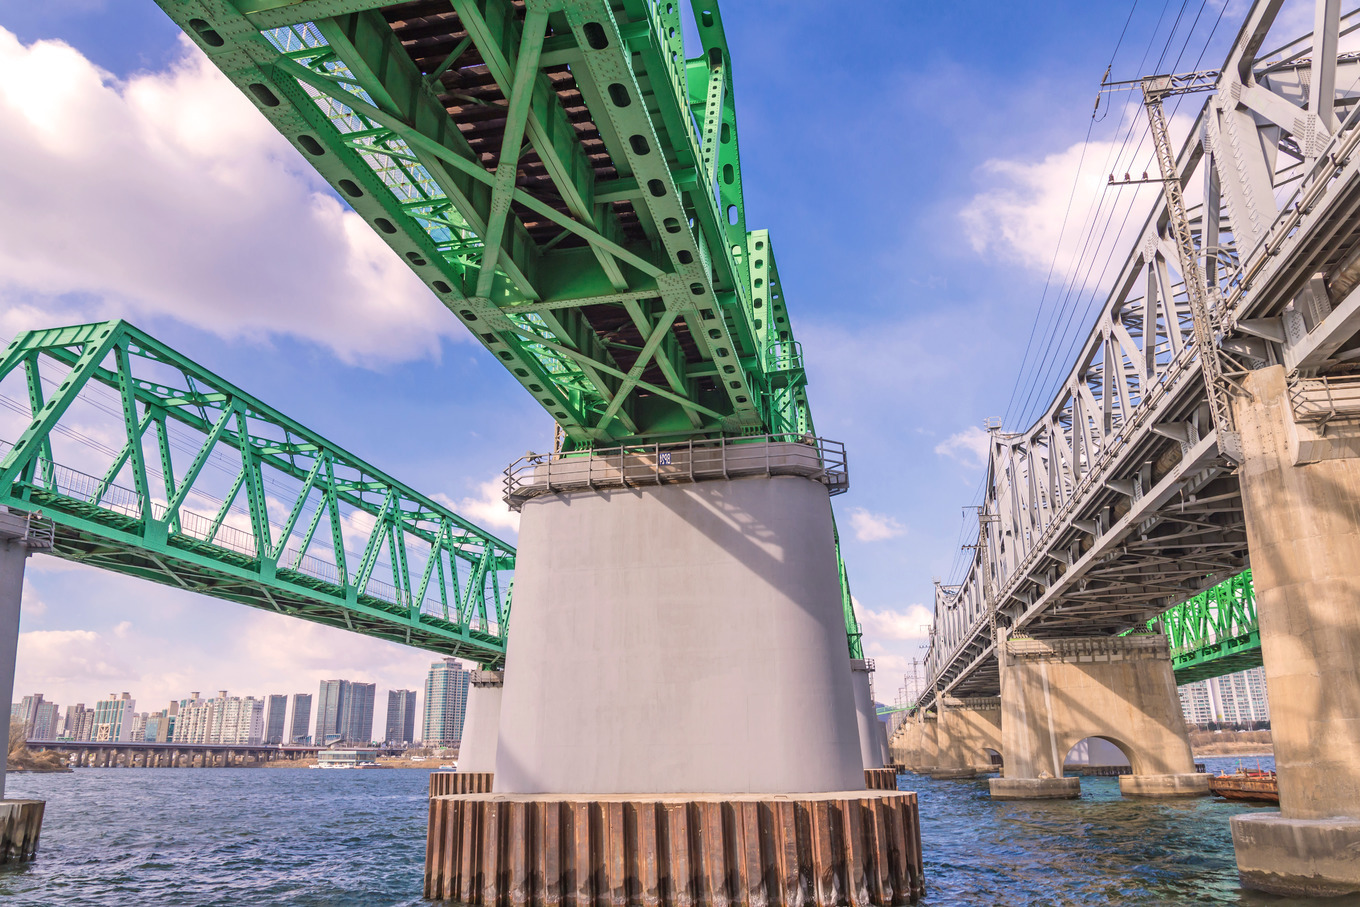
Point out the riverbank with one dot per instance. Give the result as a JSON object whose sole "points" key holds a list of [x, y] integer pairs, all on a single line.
{"points": [[1232, 743]]}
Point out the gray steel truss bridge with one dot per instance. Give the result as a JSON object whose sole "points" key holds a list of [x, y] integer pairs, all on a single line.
{"points": [[1122, 499]]}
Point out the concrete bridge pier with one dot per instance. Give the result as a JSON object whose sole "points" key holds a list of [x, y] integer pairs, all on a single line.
{"points": [[1057, 692], [1301, 501], [481, 728], [676, 698], [913, 746], [870, 745], [966, 730], [20, 820]]}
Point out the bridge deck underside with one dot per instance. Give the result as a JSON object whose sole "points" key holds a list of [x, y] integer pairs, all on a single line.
{"points": [[430, 31], [1180, 536]]}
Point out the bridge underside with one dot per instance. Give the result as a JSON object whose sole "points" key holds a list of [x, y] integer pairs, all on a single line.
{"points": [[559, 175]]}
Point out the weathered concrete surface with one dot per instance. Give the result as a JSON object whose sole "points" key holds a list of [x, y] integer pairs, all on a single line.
{"points": [[953, 774], [1298, 857], [651, 626], [829, 850], [1303, 532], [1055, 692], [445, 783], [865, 715], [481, 726], [20, 826], [1193, 784], [1035, 788], [913, 746], [964, 732]]}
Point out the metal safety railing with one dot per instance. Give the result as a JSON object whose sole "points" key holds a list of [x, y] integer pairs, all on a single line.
{"points": [[681, 462]]}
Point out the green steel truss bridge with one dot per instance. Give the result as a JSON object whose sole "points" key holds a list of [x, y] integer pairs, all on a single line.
{"points": [[560, 176], [1215, 632], [151, 466], [563, 179]]}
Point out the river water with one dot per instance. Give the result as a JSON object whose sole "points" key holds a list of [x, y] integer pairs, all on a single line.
{"points": [[301, 838]]}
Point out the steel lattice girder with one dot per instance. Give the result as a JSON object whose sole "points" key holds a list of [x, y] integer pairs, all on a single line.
{"points": [[561, 178], [320, 535], [1215, 632]]}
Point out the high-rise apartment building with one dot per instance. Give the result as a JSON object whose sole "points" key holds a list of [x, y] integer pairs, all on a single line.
{"points": [[39, 717], [138, 732], [195, 721], [79, 723], [222, 719], [446, 689], [1231, 699], [344, 712], [113, 718], [239, 721], [274, 722], [401, 716], [302, 719]]}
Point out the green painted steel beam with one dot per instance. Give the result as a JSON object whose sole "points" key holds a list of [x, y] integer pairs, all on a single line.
{"points": [[209, 489], [560, 176], [1213, 633]]}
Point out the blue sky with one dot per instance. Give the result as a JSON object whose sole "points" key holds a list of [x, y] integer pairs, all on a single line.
{"points": [[913, 163]]}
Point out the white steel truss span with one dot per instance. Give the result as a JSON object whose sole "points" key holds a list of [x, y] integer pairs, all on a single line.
{"points": [[1121, 500]]}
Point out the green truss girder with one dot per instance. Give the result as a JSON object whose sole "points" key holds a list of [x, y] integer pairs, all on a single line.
{"points": [[304, 529], [854, 635], [592, 236], [1214, 633]]}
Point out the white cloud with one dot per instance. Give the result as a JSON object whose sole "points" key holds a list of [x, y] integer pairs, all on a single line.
{"points": [[486, 508], [51, 659], [968, 446], [912, 624], [169, 195], [874, 527], [1019, 216]]}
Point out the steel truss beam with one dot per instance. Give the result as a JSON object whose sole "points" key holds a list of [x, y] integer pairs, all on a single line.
{"points": [[211, 490], [559, 176], [1114, 505]]}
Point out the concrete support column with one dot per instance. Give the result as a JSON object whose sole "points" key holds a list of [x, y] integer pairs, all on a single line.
{"points": [[965, 730], [1056, 692], [865, 716], [1303, 535], [650, 619], [482, 727], [12, 555], [914, 743]]}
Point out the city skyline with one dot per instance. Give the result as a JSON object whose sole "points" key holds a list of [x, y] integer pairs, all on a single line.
{"points": [[66, 718]]}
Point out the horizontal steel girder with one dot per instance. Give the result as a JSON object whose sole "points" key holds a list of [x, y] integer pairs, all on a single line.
{"points": [[559, 176], [211, 490]]}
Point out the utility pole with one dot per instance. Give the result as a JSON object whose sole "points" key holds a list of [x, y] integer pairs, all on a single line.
{"points": [[1202, 297]]}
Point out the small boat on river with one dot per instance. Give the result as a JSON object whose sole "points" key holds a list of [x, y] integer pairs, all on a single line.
{"points": [[1246, 784]]}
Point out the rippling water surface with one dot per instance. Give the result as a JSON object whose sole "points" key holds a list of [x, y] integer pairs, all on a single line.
{"points": [[300, 838]]}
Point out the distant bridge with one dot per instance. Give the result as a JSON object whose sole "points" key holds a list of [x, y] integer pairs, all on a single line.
{"points": [[128, 754]]}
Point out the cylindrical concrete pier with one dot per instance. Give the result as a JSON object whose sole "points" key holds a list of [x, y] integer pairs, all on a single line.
{"points": [[865, 716], [481, 727], [679, 638]]}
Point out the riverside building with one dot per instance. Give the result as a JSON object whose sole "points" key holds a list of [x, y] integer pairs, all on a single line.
{"points": [[302, 719], [401, 716], [446, 689], [1231, 699], [113, 718], [274, 722], [344, 712]]}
